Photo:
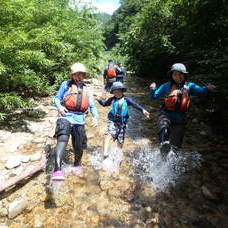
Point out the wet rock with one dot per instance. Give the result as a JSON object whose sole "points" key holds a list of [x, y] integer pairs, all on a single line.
{"points": [[148, 209], [25, 158], [204, 133], [13, 162], [17, 206], [207, 193], [36, 157], [194, 120]]}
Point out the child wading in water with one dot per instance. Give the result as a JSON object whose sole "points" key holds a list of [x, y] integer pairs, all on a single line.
{"points": [[118, 116], [172, 117]]}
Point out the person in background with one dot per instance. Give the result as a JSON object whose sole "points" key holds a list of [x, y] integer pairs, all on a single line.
{"points": [[73, 100], [173, 114], [121, 72], [109, 74], [118, 115]]}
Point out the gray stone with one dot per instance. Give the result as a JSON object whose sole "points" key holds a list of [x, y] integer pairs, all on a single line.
{"points": [[17, 206], [13, 162], [36, 157]]}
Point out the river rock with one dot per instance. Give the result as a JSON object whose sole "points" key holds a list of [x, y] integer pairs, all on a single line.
{"points": [[36, 157], [13, 162], [16, 172], [194, 120], [17, 206], [25, 158], [204, 133]]}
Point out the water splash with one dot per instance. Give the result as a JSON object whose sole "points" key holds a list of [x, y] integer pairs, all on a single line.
{"points": [[152, 169], [111, 163]]}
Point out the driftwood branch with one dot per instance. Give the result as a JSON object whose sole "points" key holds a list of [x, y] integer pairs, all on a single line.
{"points": [[27, 173]]}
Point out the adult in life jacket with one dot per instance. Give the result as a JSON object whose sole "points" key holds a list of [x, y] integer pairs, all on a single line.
{"points": [[73, 100], [118, 115], [121, 72], [109, 74], [177, 101]]}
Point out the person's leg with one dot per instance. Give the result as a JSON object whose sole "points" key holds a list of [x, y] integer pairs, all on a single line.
{"points": [[62, 132], [164, 127], [79, 142], [107, 140], [177, 133], [62, 141], [164, 131]]}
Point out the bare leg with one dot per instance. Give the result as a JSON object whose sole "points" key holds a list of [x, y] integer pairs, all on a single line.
{"points": [[107, 139]]}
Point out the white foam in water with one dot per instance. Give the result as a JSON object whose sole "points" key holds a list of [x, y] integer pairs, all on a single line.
{"points": [[111, 163], [152, 169]]}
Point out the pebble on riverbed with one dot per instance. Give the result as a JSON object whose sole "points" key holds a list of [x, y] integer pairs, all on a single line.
{"points": [[16, 207]]}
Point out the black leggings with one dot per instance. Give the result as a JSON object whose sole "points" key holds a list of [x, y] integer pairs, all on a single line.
{"points": [[171, 130], [63, 131]]}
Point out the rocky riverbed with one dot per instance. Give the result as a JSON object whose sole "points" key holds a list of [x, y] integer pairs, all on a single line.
{"points": [[185, 191]]}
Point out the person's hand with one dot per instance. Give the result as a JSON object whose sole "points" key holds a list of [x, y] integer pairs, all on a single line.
{"points": [[153, 86], [146, 114], [211, 87], [62, 110], [95, 97], [94, 123]]}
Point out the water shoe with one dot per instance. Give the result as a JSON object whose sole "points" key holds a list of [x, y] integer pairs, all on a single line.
{"points": [[57, 176]]}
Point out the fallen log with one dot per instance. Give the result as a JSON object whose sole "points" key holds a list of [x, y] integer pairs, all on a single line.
{"points": [[27, 173]]}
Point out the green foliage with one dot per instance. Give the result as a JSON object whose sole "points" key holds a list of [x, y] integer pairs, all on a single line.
{"points": [[102, 18], [154, 34], [38, 41]]}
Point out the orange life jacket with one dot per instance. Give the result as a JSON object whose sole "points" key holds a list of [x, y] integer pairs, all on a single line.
{"points": [[77, 99], [111, 72], [178, 102]]}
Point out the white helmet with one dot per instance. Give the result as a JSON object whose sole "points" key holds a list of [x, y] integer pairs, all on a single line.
{"points": [[77, 67], [179, 67]]}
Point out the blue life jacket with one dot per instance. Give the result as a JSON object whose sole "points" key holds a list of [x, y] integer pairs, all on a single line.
{"points": [[119, 111]]}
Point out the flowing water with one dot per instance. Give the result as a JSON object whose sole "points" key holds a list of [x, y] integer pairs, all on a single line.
{"points": [[133, 187]]}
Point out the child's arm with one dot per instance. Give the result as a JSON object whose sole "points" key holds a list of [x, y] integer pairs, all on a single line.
{"points": [[130, 102], [103, 102]]}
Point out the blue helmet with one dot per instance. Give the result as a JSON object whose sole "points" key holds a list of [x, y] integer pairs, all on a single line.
{"points": [[180, 67], [110, 60], [118, 85]]}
